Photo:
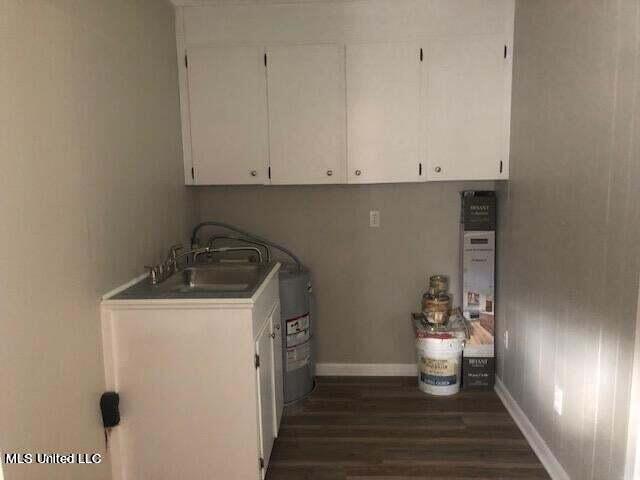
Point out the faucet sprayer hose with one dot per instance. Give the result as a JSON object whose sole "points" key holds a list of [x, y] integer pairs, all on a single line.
{"points": [[196, 229]]}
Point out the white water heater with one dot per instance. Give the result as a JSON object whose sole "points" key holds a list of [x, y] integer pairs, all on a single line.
{"points": [[296, 306]]}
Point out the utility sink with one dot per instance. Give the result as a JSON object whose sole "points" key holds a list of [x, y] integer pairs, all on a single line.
{"points": [[206, 281], [215, 278]]}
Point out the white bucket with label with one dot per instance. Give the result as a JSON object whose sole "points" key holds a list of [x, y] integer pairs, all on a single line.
{"points": [[439, 363]]}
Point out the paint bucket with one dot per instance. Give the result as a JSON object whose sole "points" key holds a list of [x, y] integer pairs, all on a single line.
{"points": [[439, 363]]}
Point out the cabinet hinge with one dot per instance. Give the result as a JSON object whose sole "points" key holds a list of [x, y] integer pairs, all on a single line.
{"points": [[265, 59], [421, 54], [420, 169], [193, 173], [500, 166], [256, 360], [261, 463], [186, 61], [269, 172], [505, 51]]}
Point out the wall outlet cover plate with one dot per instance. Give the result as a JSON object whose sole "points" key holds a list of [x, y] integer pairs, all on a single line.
{"points": [[374, 218], [557, 400]]}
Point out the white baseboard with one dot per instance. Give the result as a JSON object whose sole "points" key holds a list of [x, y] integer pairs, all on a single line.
{"points": [[539, 446], [366, 369]]}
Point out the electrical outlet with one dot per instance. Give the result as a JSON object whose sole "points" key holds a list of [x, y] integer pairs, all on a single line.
{"points": [[557, 400], [506, 339], [374, 218]]}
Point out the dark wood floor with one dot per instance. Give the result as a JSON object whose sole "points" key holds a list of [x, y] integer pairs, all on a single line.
{"points": [[382, 428]]}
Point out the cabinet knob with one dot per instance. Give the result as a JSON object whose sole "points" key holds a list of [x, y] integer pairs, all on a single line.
{"points": [[438, 169], [272, 335], [254, 173], [329, 173], [358, 173]]}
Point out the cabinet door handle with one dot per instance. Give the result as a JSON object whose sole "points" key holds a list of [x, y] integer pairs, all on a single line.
{"points": [[329, 173], [254, 173], [438, 169], [358, 173], [278, 327], [273, 335]]}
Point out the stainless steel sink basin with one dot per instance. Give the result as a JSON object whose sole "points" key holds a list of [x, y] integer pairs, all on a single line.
{"points": [[215, 278]]}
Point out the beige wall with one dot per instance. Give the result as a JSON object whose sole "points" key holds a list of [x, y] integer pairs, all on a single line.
{"points": [[90, 191], [367, 281], [570, 227]]}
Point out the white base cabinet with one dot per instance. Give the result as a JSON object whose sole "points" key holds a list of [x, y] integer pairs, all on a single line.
{"points": [[268, 363], [200, 384]]}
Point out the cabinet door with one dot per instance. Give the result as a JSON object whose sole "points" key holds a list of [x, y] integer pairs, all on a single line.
{"points": [[383, 113], [266, 394], [468, 98], [307, 114], [228, 113], [278, 379]]}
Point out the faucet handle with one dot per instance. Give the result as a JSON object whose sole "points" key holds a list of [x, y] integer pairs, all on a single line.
{"points": [[153, 274], [172, 258], [173, 251]]}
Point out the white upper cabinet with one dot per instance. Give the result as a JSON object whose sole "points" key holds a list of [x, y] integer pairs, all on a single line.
{"points": [[306, 88], [337, 91], [384, 98], [467, 108], [228, 115]]}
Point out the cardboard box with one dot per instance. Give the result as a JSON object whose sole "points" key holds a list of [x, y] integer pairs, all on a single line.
{"points": [[478, 211], [478, 362], [478, 257], [478, 273], [478, 372]]}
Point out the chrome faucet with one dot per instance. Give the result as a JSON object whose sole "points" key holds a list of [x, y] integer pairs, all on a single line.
{"points": [[160, 272], [176, 259], [263, 246]]}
